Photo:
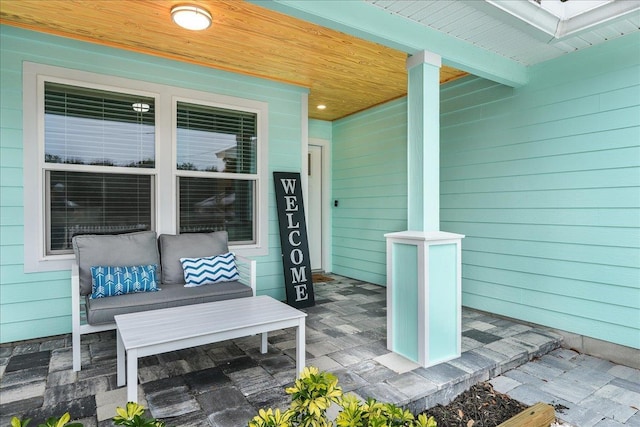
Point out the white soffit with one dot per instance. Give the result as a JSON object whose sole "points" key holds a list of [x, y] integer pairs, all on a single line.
{"points": [[525, 31], [562, 18]]}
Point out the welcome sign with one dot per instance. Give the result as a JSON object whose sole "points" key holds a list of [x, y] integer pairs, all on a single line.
{"points": [[293, 240]]}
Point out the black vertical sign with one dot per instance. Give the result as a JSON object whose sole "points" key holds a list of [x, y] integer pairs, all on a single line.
{"points": [[293, 240]]}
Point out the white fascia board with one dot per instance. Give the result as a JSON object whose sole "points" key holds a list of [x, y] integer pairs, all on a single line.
{"points": [[372, 23], [544, 25], [596, 17]]}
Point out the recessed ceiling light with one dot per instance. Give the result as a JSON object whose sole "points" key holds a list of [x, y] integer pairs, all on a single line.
{"points": [[191, 17], [321, 107]]}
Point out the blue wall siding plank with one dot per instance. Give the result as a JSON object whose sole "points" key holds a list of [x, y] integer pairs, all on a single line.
{"points": [[11, 215], [618, 295], [608, 274], [55, 289], [616, 237], [8, 137], [626, 197], [598, 178], [613, 314], [11, 254], [594, 160], [621, 98], [11, 157], [616, 139], [540, 315], [606, 255], [606, 217], [11, 176]]}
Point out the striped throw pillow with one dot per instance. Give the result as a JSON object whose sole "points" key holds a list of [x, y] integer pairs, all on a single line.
{"points": [[209, 270]]}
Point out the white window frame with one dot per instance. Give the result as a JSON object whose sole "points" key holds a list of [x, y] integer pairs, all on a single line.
{"points": [[165, 171]]}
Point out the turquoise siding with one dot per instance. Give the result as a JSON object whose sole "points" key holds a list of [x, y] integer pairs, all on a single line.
{"points": [[405, 301], [443, 303], [38, 304], [320, 129], [369, 180], [544, 181]]}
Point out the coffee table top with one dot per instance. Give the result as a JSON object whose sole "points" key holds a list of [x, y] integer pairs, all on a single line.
{"points": [[153, 327]]}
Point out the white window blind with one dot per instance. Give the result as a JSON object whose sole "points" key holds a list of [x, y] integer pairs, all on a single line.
{"points": [[220, 143], [103, 130]]}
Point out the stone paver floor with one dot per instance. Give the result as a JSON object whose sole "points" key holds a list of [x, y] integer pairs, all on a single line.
{"points": [[224, 384]]}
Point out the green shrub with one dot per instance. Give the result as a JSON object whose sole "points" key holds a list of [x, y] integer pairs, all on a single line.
{"points": [[314, 392], [311, 395], [130, 416]]}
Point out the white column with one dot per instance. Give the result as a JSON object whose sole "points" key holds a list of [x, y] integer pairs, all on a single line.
{"points": [[423, 263], [423, 145]]}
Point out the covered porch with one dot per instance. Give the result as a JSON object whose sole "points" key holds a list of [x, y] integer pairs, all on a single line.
{"points": [[225, 384]]}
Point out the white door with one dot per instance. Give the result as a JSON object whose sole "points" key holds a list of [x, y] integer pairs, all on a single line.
{"points": [[314, 206]]}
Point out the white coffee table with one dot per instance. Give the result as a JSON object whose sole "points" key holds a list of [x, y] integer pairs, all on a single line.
{"points": [[169, 329]]}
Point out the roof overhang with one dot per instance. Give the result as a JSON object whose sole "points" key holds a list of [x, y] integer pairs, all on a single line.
{"points": [[559, 19]]}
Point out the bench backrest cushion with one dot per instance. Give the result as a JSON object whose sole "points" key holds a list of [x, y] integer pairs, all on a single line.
{"points": [[139, 248], [188, 245]]}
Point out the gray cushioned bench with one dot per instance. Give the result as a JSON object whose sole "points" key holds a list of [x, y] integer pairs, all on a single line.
{"points": [[142, 248]]}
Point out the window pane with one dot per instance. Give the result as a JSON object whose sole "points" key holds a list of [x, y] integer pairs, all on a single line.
{"points": [[95, 203], [94, 127], [216, 139], [217, 204]]}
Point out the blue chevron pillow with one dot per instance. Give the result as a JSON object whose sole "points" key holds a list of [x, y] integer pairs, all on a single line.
{"points": [[108, 281], [209, 270]]}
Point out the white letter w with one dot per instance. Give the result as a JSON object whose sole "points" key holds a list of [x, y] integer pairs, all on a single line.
{"points": [[289, 185]]}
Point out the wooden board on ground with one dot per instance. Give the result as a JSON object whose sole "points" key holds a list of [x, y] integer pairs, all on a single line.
{"points": [[538, 415]]}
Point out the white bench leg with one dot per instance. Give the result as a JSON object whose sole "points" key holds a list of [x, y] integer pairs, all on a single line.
{"points": [[122, 378], [264, 344], [76, 351], [300, 347], [132, 375]]}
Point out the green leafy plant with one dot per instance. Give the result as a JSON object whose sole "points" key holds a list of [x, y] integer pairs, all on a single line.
{"points": [[62, 421], [130, 416], [314, 392]]}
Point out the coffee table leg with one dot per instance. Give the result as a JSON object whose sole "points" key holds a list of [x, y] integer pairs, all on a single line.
{"points": [[300, 350], [121, 360], [264, 344], [132, 375]]}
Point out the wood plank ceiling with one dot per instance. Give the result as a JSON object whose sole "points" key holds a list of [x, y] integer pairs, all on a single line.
{"points": [[345, 73]]}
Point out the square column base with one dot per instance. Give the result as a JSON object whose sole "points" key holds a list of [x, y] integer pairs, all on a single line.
{"points": [[424, 302]]}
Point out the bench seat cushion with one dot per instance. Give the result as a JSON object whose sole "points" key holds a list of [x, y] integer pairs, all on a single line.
{"points": [[188, 245], [102, 310], [139, 248]]}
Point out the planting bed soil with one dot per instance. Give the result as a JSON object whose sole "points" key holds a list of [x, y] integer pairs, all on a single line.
{"points": [[480, 406]]}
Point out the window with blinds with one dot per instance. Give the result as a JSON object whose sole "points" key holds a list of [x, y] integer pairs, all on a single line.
{"points": [[88, 133], [220, 144]]}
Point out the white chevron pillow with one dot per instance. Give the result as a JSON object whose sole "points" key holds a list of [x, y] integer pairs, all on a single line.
{"points": [[209, 270]]}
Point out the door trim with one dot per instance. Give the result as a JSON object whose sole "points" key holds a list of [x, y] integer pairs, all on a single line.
{"points": [[327, 222]]}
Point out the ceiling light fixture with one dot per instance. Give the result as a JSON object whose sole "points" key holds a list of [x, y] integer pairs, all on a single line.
{"points": [[191, 17], [321, 107], [140, 107]]}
